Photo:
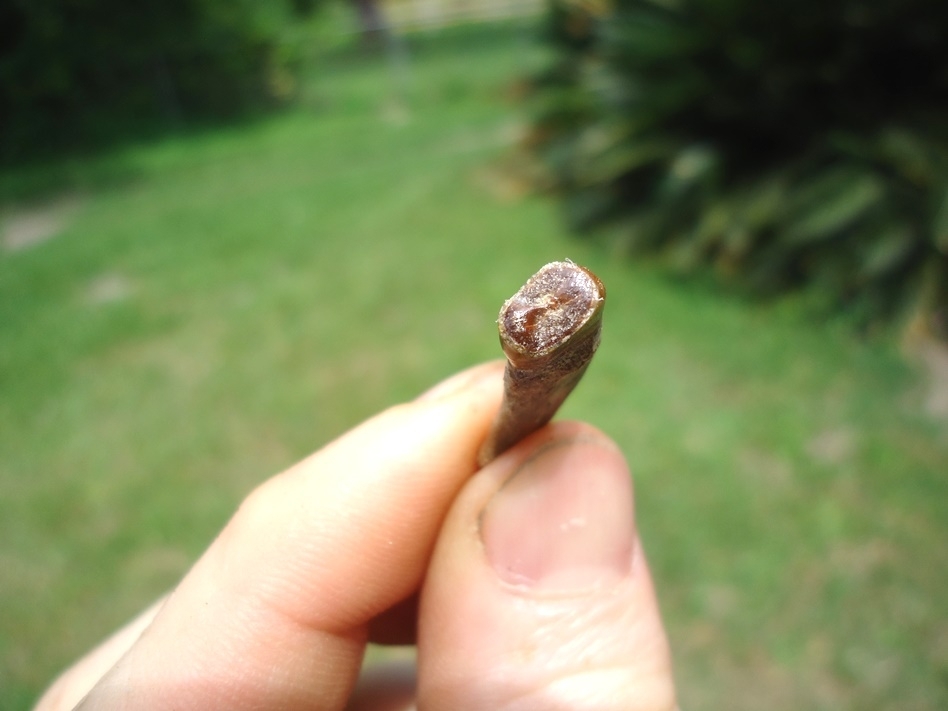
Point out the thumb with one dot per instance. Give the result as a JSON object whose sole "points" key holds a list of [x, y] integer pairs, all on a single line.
{"points": [[538, 595]]}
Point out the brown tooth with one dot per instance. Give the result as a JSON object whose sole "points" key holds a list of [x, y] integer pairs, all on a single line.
{"points": [[549, 331]]}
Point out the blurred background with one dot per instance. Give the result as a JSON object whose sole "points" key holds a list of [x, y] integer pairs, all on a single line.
{"points": [[230, 230]]}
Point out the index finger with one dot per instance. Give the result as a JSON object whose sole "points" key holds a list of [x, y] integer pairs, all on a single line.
{"points": [[276, 612]]}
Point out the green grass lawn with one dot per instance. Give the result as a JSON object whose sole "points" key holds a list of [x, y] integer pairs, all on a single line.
{"points": [[221, 303]]}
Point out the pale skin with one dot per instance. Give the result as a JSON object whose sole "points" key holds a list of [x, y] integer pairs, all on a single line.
{"points": [[524, 584]]}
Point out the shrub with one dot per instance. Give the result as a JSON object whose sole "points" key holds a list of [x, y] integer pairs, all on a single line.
{"points": [[73, 70], [781, 144]]}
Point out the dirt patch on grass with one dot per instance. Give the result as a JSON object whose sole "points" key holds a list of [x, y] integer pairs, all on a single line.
{"points": [[934, 357], [921, 344], [26, 227], [108, 288]]}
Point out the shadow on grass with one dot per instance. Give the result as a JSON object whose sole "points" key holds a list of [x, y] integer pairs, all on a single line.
{"points": [[104, 161]]}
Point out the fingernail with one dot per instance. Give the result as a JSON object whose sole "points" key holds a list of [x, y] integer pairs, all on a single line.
{"points": [[459, 381], [564, 520]]}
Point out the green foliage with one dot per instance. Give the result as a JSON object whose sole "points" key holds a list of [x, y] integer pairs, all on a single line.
{"points": [[74, 71], [788, 144]]}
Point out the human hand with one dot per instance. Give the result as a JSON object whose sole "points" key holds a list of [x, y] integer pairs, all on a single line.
{"points": [[533, 586]]}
